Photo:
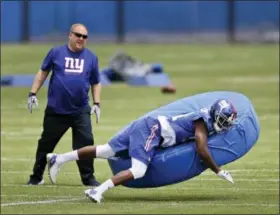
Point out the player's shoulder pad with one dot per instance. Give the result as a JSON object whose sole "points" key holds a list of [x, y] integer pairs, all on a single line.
{"points": [[196, 115], [201, 114], [205, 115]]}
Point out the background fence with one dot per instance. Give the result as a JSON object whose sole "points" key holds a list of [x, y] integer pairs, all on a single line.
{"points": [[141, 21]]}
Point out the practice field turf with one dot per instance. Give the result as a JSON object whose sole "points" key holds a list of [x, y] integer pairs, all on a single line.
{"points": [[249, 69]]}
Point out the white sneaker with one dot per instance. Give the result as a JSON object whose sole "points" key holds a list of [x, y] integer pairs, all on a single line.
{"points": [[93, 195], [53, 167]]}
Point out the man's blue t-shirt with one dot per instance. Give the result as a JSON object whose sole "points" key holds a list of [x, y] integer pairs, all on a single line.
{"points": [[72, 75]]}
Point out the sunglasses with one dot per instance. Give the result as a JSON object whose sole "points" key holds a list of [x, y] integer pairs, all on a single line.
{"points": [[80, 35]]}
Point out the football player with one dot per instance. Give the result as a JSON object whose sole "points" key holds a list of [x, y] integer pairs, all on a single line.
{"points": [[142, 138]]}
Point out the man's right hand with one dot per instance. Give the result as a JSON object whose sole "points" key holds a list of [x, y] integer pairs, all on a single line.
{"points": [[32, 99], [225, 175]]}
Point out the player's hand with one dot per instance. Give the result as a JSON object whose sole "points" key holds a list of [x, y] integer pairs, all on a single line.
{"points": [[32, 99], [225, 175], [96, 109]]}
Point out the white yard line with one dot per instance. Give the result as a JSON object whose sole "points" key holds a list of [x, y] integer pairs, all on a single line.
{"points": [[269, 117], [205, 204], [44, 186], [151, 203], [40, 202], [202, 54], [239, 179], [201, 204], [199, 55], [218, 188], [211, 67], [38, 196], [250, 79], [249, 170]]}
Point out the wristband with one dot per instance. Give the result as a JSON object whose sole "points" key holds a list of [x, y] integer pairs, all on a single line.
{"points": [[31, 94], [96, 103]]}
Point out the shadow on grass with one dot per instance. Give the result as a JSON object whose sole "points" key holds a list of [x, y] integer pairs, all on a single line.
{"points": [[170, 198]]}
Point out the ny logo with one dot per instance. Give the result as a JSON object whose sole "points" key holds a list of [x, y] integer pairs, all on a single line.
{"points": [[74, 65], [223, 104]]}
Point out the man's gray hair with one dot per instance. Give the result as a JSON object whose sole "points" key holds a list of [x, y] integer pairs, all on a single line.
{"points": [[75, 25]]}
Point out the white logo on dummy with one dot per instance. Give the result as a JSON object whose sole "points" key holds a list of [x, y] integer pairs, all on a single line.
{"points": [[74, 65]]}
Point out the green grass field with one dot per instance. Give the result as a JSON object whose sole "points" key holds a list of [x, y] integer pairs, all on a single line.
{"points": [[249, 69]]}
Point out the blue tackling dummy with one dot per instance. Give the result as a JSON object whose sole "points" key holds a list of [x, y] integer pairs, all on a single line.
{"points": [[181, 162]]}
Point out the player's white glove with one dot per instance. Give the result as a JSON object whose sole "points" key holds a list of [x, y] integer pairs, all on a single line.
{"points": [[96, 109], [32, 99], [225, 175]]}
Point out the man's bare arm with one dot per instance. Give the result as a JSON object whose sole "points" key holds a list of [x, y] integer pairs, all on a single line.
{"points": [[96, 92], [202, 147], [39, 79]]}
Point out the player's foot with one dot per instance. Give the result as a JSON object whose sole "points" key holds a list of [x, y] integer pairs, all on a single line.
{"points": [[93, 195], [53, 167]]}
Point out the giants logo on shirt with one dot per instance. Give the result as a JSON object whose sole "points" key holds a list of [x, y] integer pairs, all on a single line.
{"points": [[74, 65]]}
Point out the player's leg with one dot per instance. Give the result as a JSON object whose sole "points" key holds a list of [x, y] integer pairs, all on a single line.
{"points": [[53, 129], [117, 143], [144, 138], [55, 161], [137, 170]]}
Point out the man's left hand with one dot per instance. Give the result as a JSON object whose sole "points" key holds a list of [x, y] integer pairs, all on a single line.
{"points": [[96, 109]]}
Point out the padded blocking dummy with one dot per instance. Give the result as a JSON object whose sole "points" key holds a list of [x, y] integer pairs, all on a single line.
{"points": [[182, 162]]}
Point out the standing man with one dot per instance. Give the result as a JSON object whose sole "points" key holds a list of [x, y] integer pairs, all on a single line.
{"points": [[74, 71]]}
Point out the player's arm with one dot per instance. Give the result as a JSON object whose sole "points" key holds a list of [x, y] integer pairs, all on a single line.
{"points": [[201, 139]]}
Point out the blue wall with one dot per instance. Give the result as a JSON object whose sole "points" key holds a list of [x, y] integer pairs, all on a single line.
{"points": [[10, 21], [255, 13], [50, 17], [58, 16]]}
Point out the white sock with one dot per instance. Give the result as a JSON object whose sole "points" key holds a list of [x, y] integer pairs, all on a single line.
{"points": [[105, 186], [69, 156]]}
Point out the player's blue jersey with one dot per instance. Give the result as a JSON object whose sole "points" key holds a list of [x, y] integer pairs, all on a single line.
{"points": [[72, 75], [180, 128]]}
